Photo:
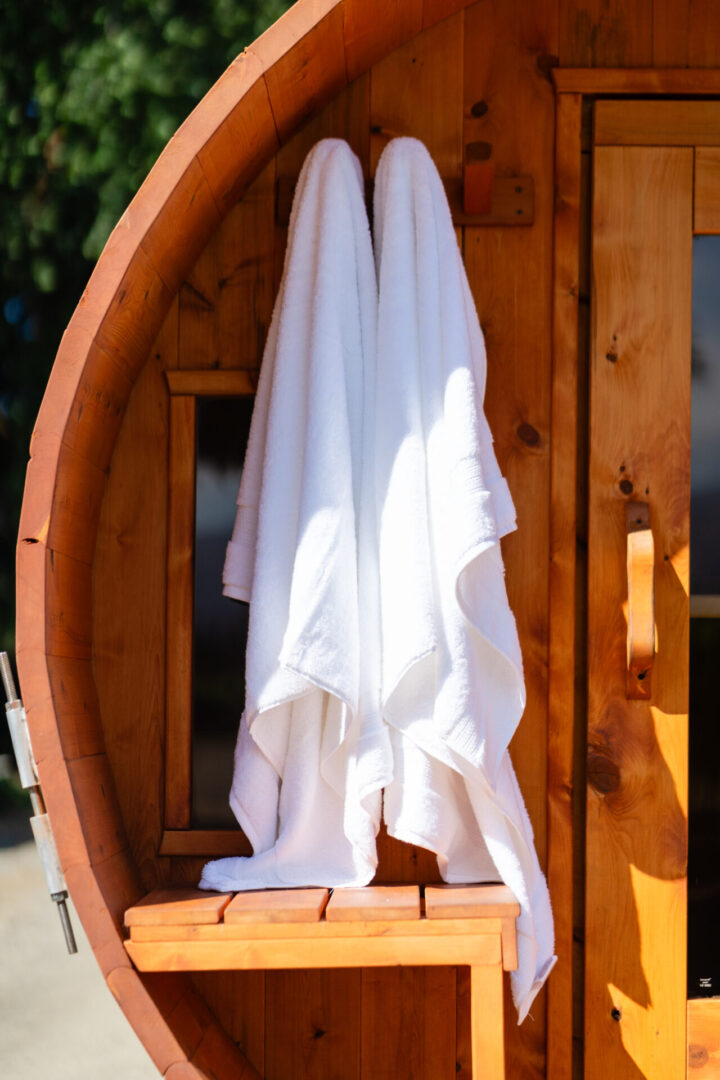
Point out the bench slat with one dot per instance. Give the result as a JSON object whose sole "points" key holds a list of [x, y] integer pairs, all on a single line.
{"points": [[179, 906], [469, 901], [277, 906], [374, 902]]}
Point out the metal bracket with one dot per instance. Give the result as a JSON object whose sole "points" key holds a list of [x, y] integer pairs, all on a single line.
{"points": [[40, 822]]}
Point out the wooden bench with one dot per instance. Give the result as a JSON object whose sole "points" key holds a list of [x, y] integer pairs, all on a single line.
{"points": [[182, 929]]}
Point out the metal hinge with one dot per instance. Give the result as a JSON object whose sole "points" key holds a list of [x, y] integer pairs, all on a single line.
{"points": [[40, 822]]}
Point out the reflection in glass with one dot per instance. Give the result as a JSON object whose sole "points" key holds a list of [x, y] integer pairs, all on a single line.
{"points": [[219, 624], [704, 863]]}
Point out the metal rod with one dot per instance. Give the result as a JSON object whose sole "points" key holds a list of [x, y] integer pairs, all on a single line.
{"points": [[7, 677], [66, 924]]}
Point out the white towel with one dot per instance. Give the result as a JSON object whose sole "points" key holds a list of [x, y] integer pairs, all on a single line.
{"points": [[452, 680], [312, 754]]}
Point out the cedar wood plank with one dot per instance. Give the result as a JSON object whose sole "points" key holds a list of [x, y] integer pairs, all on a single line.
{"points": [[637, 751]]}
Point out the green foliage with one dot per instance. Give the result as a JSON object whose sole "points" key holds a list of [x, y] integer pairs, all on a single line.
{"points": [[89, 95]]}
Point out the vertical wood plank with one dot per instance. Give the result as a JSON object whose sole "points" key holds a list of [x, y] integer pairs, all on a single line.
{"points": [[417, 91], [509, 106], [420, 1042], [670, 30], [486, 1022], [226, 301], [363, 45], [707, 190], [180, 569], [704, 34], [563, 512], [238, 1000], [606, 33], [637, 751], [312, 1024], [129, 581]]}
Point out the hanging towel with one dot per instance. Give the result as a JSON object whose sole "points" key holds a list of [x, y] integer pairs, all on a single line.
{"points": [[312, 753], [452, 680]]}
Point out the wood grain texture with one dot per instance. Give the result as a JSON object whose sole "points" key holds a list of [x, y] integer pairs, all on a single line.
{"points": [[364, 46], [703, 34], [179, 618], [347, 117], [178, 907], [76, 709], [68, 621], [129, 609], [657, 123], [237, 998], [306, 952], [374, 902], [424, 931], [691, 82], [217, 383], [670, 32], [205, 842], [417, 91], [226, 302], [419, 1041], [637, 751], [563, 515], [277, 905], [312, 1025], [469, 901], [321, 930], [707, 190], [510, 274], [486, 1022], [703, 1035], [606, 33], [302, 80]]}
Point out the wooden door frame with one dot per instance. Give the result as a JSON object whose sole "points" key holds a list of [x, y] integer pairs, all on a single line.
{"points": [[565, 870]]}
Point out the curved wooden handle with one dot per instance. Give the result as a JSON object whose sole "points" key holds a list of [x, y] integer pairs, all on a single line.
{"points": [[641, 601]]}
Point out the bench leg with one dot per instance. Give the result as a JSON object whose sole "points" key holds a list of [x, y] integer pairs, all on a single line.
{"points": [[486, 1021]]}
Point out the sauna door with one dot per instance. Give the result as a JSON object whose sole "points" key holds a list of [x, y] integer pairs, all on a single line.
{"points": [[656, 183]]}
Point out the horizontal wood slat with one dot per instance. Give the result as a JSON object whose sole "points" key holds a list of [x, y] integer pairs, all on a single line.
{"points": [[205, 842], [657, 123], [319, 930], [467, 902], [281, 905], [379, 902], [212, 383], [178, 907], [691, 82], [248, 955]]}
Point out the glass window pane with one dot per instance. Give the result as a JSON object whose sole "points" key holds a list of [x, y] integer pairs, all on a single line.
{"points": [[219, 624], [704, 864]]}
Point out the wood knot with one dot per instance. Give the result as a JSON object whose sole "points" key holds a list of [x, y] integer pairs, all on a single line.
{"points": [[626, 487], [479, 108], [603, 774], [318, 1033], [477, 151], [697, 1056], [529, 435]]}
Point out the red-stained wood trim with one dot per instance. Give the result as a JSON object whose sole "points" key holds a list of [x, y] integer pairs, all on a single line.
{"points": [[561, 659], [693, 82]]}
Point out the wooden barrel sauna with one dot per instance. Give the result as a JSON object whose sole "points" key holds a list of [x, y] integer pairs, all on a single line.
{"points": [[176, 311]]}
